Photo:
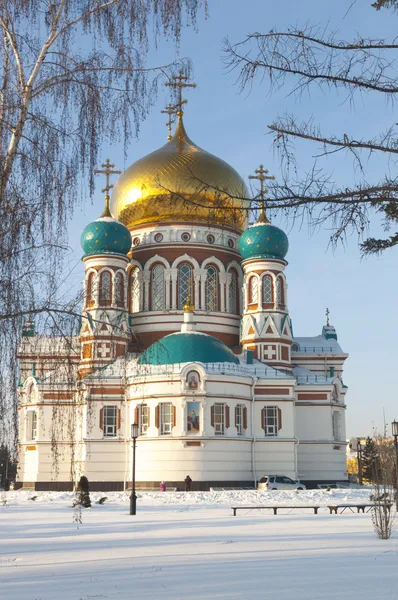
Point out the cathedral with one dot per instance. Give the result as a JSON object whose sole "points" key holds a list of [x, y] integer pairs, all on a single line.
{"points": [[185, 331]]}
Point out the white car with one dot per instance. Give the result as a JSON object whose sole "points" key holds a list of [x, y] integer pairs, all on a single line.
{"points": [[279, 482]]}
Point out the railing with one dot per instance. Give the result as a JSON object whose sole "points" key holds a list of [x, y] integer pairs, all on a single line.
{"points": [[221, 368], [317, 350]]}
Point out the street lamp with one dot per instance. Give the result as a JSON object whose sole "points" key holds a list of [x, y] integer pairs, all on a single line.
{"points": [[133, 497], [359, 458], [394, 428]]}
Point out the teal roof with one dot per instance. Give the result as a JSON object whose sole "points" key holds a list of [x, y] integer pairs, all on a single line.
{"points": [[187, 347], [105, 236], [263, 240]]}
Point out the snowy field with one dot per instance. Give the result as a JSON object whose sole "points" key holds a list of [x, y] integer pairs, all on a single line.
{"points": [[181, 546]]}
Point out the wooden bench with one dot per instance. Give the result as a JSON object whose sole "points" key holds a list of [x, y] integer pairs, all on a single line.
{"points": [[360, 508], [274, 508]]}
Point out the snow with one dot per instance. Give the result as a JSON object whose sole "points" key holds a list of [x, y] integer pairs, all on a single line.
{"points": [[188, 545]]}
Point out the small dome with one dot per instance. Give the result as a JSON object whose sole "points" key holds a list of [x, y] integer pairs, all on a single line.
{"points": [[263, 240], [187, 347], [105, 236], [182, 183]]}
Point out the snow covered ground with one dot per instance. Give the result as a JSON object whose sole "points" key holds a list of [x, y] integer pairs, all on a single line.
{"points": [[181, 546]]}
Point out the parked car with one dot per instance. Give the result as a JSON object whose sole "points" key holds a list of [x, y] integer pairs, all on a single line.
{"points": [[279, 482]]}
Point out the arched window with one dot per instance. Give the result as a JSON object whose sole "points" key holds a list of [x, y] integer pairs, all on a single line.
{"points": [[233, 294], [90, 289], [105, 289], [157, 288], [253, 290], [119, 288], [212, 289], [267, 290], [280, 296], [185, 284], [135, 290]]}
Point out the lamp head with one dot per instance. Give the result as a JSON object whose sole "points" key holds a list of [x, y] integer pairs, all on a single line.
{"points": [[394, 428], [134, 431]]}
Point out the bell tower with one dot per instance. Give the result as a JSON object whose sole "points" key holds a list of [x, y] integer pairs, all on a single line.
{"points": [[266, 327], [105, 330]]}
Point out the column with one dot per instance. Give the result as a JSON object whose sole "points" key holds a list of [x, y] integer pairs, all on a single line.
{"points": [[174, 277], [196, 274], [222, 278], [141, 291], [203, 273], [146, 275], [228, 283], [167, 279]]}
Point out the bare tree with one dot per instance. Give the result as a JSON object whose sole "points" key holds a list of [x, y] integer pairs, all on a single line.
{"points": [[311, 57], [73, 76], [383, 478]]}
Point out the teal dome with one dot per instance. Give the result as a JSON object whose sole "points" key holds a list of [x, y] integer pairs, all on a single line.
{"points": [[105, 236], [263, 240], [187, 347]]}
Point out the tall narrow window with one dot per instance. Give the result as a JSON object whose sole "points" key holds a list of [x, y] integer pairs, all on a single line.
{"points": [[119, 288], [144, 419], [279, 291], [270, 420], [253, 290], [233, 294], [219, 418], [105, 287], [135, 290], [158, 288], [32, 425], [185, 284], [267, 290], [110, 421], [90, 289], [166, 418], [239, 419], [211, 289]]}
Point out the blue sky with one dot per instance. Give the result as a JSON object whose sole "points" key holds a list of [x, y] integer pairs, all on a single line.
{"points": [[362, 294]]}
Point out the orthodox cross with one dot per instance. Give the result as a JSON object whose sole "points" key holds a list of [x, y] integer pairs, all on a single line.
{"points": [[169, 110], [327, 317], [107, 171], [178, 82], [262, 176]]}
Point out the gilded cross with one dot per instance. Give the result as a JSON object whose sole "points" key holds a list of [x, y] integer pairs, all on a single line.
{"points": [[169, 110], [178, 82], [262, 176], [327, 317], [107, 171]]}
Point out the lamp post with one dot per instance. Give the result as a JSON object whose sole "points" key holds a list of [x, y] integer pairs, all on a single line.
{"points": [[394, 428], [133, 497], [359, 459]]}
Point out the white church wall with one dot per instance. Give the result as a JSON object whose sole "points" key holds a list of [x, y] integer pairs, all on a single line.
{"points": [[314, 422], [322, 462], [275, 457]]}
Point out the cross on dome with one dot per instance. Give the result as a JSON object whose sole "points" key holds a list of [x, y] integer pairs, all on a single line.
{"points": [[327, 317], [107, 171], [178, 82], [262, 176], [171, 109]]}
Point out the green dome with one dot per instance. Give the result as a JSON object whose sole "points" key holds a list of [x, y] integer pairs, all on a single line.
{"points": [[263, 240], [105, 236], [187, 347]]}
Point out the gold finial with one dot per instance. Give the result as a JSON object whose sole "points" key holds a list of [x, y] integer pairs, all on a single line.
{"points": [[107, 171], [262, 176], [178, 82], [327, 318], [171, 109], [188, 306]]}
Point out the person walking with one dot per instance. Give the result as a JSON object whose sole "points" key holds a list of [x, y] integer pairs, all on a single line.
{"points": [[188, 483]]}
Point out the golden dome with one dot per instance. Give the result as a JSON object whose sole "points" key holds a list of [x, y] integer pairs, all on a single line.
{"points": [[180, 182]]}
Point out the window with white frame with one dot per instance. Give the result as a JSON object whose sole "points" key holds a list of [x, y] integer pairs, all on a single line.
{"points": [[239, 419], [166, 418], [253, 290], [336, 425], [185, 284], [31, 428], [144, 419], [271, 420], [135, 291], [233, 294], [267, 290], [105, 287], [211, 289], [219, 418], [110, 421], [279, 291], [158, 288], [119, 287]]}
